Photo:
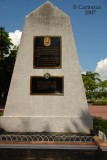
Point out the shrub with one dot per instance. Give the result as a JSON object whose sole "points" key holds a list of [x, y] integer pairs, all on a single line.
{"points": [[99, 102], [100, 124]]}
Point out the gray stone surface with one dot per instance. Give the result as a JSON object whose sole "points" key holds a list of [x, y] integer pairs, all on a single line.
{"points": [[27, 113]]}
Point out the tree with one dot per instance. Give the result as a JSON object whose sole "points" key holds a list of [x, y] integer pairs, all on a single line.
{"points": [[7, 59], [5, 43], [91, 80], [103, 88]]}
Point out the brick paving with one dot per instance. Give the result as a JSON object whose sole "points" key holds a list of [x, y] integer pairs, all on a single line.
{"points": [[98, 111]]}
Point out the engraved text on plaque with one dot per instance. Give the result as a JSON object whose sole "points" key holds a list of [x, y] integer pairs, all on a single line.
{"points": [[47, 52]]}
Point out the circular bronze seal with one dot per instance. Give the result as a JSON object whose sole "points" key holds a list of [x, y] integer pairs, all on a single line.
{"points": [[47, 75], [47, 41]]}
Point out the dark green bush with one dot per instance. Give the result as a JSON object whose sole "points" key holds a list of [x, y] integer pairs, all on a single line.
{"points": [[99, 102], [100, 124]]}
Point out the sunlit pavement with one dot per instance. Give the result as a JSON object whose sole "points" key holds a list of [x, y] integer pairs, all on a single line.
{"points": [[98, 111]]}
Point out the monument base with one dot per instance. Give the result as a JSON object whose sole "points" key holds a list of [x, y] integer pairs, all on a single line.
{"points": [[47, 124]]}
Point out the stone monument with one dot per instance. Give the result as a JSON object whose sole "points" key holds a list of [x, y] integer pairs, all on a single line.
{"points": [[46, 92]]}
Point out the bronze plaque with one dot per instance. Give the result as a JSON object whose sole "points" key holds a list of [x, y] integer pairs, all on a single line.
{"points": [[44, 86], [47, 52]]}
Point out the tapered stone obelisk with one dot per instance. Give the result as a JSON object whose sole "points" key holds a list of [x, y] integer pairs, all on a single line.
{"points": [[54, 105]]}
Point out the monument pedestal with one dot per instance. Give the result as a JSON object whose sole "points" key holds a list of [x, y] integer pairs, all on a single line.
{"points": [[47, 51], [47, 124]]}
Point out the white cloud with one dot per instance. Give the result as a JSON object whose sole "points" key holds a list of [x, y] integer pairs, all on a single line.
{"points": [[102, 69], [15, 37], [82, 71]]}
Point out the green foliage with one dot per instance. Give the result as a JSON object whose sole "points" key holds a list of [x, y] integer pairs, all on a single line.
{"points": [[100, 124], [7, 59], [101, 101], [103, 88], [90, 83], [95, 88], [5, 43]]}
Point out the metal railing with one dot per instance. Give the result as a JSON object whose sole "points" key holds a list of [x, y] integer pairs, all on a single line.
{"points": [[45, 138]]}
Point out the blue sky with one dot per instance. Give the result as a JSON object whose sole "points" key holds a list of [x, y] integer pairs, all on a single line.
{"points": [[90, 31]]}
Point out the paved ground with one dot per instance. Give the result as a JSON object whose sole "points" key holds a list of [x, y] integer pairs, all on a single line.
{"points": [[98, 111]]}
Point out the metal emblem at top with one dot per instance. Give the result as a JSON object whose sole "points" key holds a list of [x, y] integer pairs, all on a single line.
{"points": [[47, 41]]}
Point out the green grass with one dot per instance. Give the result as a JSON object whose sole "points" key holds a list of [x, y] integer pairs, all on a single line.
{"points": [[100, 124], [101, 101]]}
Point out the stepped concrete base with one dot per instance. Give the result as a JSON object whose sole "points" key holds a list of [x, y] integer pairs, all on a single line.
{"points": [[46, 124]]}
